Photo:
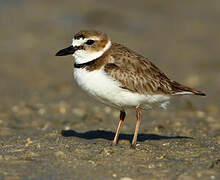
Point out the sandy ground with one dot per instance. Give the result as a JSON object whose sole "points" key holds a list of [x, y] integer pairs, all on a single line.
{"points": [[50, 129]]}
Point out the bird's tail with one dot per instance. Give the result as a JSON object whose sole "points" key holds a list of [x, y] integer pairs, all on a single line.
{"points": [[179, 89]]}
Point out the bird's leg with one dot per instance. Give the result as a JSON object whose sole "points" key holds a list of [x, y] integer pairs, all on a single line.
{"points": [[139, 116], [122, 117]]}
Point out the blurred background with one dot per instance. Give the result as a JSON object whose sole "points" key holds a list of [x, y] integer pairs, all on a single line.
{"points": [[38, 93], [182, 38]]}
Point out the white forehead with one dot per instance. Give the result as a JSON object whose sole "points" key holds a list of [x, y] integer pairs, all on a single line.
{"points": [[78, 42]]}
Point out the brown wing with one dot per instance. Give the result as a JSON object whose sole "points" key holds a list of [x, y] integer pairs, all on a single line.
{"points": [[138, 74]]}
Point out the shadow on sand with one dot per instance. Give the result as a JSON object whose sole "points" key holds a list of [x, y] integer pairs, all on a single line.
{"points": [[109, 135]]}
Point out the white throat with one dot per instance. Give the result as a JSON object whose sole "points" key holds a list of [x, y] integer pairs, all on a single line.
{"points": [[82, 56]]}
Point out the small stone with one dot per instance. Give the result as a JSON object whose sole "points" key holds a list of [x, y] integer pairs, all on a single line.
{"points": [[15, 109], [124, 142], [79, 112], [151, 166], [107, 151], [59, 154], [28, 142], [126, 178], [162, 157], [200, 114], [212, 177], [166, 144], [92, 162], [42, 111], [107, 110], [62, 110]]}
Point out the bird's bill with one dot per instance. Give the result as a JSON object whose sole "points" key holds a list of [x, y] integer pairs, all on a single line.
{"points": [[66, 51]]}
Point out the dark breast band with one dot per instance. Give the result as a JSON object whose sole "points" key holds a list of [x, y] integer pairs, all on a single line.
{"points": [[84, 65]]}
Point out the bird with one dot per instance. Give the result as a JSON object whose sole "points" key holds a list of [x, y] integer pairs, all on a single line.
{"points": [[119, 77]]}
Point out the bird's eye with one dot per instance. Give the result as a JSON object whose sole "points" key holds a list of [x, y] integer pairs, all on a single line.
{"points": [[90, 42]]}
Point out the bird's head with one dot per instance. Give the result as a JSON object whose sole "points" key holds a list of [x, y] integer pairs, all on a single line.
{"points": [[87, 46]]}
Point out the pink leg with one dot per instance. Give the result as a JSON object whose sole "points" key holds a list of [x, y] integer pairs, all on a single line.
{"points": [[139, 116], [122, 117]]}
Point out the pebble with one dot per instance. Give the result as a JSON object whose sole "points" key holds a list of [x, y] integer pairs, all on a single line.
{"points": [[107, 110], [200, 114], [79, 111], [42, 111], [28, 142], [62, 110], [114, 175], [126, 178], [124, 142], [59, 154]]}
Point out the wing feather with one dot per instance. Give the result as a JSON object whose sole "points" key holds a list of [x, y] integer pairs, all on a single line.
{"points": [[137, 74]]}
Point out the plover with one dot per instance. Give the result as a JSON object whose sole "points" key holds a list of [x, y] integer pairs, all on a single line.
{"points": [[120, 77]]}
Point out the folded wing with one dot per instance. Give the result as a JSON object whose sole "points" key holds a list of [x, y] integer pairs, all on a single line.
{"points": [[137, 74]]}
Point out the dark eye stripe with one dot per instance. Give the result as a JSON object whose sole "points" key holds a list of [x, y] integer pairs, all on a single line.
{"points": [[90, 42]]}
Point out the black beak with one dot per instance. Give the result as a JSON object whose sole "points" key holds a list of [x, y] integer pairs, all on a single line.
{"points": [[67, 51]]}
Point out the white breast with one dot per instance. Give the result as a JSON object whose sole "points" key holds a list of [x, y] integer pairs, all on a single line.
{"points": [[104, 88]]}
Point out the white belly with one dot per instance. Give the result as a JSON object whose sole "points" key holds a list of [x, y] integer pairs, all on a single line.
{"points": [[103, 87]]}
